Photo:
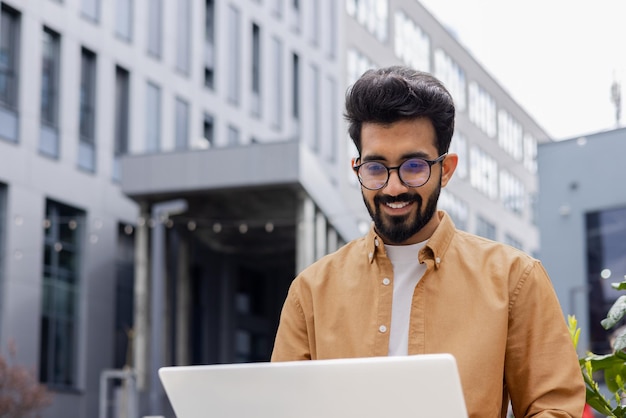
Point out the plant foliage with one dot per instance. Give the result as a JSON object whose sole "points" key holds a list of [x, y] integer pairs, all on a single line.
{"points": [[21, 394], [611, 366]]}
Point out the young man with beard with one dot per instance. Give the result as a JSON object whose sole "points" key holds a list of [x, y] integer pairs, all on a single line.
{"points": [[415, 284]]}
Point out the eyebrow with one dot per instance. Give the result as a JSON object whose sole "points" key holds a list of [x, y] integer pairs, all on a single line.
{"points": [[377, 157]]}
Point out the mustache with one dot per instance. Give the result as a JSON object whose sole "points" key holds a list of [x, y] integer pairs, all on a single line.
{"points": [[404, 197]]}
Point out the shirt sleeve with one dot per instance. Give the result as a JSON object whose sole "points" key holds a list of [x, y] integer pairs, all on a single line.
{"points": [[292, 337], [542, 372]]}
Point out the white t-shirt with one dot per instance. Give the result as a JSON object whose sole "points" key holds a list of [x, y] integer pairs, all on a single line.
{"points": [[407, 272]]}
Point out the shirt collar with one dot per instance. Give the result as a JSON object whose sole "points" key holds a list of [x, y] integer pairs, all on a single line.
{"points": [[433, 252]]}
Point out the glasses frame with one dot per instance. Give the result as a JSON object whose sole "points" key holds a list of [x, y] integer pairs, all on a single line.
{"points": [[430, 163]]}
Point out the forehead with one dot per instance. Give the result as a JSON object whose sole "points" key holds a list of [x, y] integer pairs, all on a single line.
{"points": [[393, 140]]}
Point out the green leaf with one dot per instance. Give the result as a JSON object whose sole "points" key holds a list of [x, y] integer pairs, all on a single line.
{"points": [[620, 341], [574, 331], [613, 378], [619, 286], [617, 312]]}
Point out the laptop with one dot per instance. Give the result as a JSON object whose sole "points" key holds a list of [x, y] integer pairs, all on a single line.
{"points": [[400, 387]]}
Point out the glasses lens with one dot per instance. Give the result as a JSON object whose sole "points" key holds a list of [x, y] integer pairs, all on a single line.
{"points": [[373, 175], [414, 172]]}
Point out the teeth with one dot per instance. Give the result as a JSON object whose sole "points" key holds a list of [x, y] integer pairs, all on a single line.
{"points": [[397, 205]]}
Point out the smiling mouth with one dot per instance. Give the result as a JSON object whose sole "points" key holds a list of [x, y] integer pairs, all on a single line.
{"points": [[397, 205]]}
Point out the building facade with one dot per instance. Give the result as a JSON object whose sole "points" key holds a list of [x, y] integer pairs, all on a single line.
{"points": [[582, 216], [167, 167]]}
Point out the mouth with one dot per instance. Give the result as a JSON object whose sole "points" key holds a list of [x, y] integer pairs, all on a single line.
{"points": [[397, 205]]}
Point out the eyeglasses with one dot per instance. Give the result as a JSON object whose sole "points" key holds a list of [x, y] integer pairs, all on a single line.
{"points": [[414, 172]]}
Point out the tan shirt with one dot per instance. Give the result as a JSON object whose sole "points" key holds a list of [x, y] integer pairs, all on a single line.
{"points": [[490, 305]]}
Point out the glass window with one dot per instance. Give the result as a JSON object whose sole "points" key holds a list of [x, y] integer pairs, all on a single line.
{"points": [[209, 43], [513, 242], [530, 153], [256, 70], [412, 45], [277, 7], [91, 9], [208, 132], [183, 35], [512, 192], [315, 107], [87, 119], [482, 109], [455, 207], [330, 124], [122, 117], [371, 14], [153, 118], [510, 135], [50, 66], [295, 98], [315, 22], [332, 27], [276, 87], [182, 124], [458, 146], [234, 51], [155, 27], [357, 65], [483, 172], [3, 217], [124, 19], [124, 294], [484, 228], [63, 231], [233, 135], [606, 264], [453, 77], [9, 71]]}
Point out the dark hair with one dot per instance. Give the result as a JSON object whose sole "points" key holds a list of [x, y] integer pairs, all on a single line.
{"points": [[390, 94]]}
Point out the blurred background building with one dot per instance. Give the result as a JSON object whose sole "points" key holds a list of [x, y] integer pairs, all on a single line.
{"points": [[167, 167], [583, 227]]}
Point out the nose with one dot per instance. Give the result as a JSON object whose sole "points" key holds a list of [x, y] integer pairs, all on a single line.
{"points": [[394, 185]]}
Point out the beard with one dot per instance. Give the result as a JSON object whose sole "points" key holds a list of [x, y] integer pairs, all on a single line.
{"points": [[398, 229]]}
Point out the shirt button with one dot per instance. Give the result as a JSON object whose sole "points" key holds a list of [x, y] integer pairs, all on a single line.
{"points": [[376, 242], [371, 255], [386, 281], [382, 328], [437, 260]]}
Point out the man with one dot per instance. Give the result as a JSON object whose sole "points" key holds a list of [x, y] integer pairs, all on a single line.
{"points": [[417, 285]]}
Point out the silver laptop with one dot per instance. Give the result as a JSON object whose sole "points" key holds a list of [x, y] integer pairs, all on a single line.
{"points": [[409, 386]]}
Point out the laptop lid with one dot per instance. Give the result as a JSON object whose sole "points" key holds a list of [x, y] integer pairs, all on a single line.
{"points": [[406, 386]]}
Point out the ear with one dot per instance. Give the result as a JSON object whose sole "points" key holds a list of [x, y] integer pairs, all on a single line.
{"points": [[448, 166], [354, 162]]}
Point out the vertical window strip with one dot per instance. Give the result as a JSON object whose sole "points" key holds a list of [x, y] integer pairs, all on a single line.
{"points": [[9, 47], [87, 118], [155, 27], [122, 117], [295, 88], [182, 124], [153, 118], [277, 84], [183, 35], [63, 229], [256, 70], [91, 9], [49, 106], [234, 51], [124, 19], [209, 43]]}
